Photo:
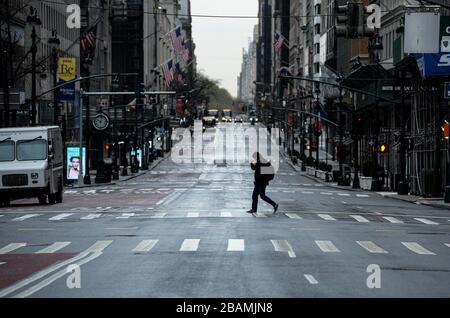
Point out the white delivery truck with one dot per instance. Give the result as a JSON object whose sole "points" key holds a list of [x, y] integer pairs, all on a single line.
{"points": [[31, 164]]}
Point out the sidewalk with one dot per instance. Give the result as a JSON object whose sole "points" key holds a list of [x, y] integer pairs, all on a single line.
{"points": [[433, 202], [121, 178]]}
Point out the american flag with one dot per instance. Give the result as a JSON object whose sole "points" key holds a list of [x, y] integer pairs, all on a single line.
{"points": [[279, 41], [88, 42], [177, 40], [179, 73], [168, 72], [186, 55]]}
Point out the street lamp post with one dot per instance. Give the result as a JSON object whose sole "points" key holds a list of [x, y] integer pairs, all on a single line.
{"points": [[87, 62], [54, 43], [34, 21], [318, 132]]}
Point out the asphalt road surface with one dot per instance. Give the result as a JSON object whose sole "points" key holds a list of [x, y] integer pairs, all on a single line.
{"points": [[181, 230]]}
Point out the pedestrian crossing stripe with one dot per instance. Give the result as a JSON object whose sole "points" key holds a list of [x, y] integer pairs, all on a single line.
{"points": [[2, 263], [393, 220], [193, 215], [371, 247], [283, 246], [53, 248], [293, 216], [145, 246], [417, 248], [311, 279], [25, 217], [236, 245], [11, 247], [360, 218], [190, 245], [448, 245], [326, 217], [362, 196], [60, 217], [425, 221], [327, 247]]}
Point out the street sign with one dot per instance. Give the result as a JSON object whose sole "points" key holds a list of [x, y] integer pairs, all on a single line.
{"points": [[447, 90]]}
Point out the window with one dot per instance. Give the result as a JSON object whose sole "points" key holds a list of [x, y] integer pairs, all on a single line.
{"points": [[28, 150], [7, 151]]}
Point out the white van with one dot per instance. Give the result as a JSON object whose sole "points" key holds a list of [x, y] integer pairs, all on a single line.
{"points": [[31, 164]]}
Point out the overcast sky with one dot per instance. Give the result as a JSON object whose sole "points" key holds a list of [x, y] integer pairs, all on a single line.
{"points": [[220, 41]]}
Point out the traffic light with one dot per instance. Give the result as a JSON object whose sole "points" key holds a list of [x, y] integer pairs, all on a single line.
{"points": [[107, 147], [384, 148], [352, 22], [446, 130]]}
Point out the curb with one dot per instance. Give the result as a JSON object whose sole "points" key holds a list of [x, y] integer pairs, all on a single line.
{"points": [[417, 202], [120, 181]]}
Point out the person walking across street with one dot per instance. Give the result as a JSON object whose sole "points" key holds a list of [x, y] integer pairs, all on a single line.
{"points": [[263, 174]]}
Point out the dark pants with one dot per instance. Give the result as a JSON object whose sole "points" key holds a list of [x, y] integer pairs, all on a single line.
{"points": [[260, 190]]}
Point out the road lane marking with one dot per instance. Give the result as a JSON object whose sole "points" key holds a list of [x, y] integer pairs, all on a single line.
{"points": [[193, 215], [448, 245], [326, 193], [158, 216], [125, 216], [91, 216], [327, 247], [2, 263], [226, 215], [343, 194], [425, 221], [417, 248], [53, 248], [283, 246], [11, 247], [98, 246], [236, 245], [189, 245], [360, 218], [293, 216], [306, 192], [25, 217], [145, 246], [362, 196], [60, 217], [311, 279], [56, 276], [393, 220], [326, 217], [371, 247]]}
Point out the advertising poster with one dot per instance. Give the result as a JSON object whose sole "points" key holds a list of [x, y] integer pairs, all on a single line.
{"points": [[73, 162], [140, 158]]}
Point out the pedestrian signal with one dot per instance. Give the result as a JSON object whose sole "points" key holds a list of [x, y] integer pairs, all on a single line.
{"points": [[384, 148]]}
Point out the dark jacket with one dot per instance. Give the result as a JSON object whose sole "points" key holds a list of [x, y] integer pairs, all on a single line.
{"points": [[259, 178]]}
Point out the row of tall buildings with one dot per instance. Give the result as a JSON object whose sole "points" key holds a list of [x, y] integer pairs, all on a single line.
{"points": [[391, 98], [148, 43]]}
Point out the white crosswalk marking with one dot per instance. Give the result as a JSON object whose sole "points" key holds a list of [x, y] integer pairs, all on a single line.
{"points": [[236, 246], [344, 194], [311, 279], [327, 247], [326, 217], [448, 245], [371, 247], [362, 195], [306, 192], [425, 221], [283, 246], [360, 218], [60, 217], [145, 246], [53, 248], [11, 247], [326, 193], [417, 248], [189, 245], [393, 220], [2, 263], [125, 216], [91, 216], [70, 192], [25, 217], [158, 216], [98, 246], [293, 216], [193, 215], [226, 215], [1, 216]]}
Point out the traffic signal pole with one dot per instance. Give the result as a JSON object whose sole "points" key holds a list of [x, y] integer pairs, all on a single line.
{"points": [[403, 188]]}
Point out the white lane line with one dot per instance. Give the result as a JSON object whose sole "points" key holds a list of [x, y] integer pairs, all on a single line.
{"points": [[306, 192], [25, 217], [327, 247], [125, 216], [189, 245], [70, 192], [193, 215], [448, 245], [158, 216], [326, 193], [226, 215], [11, 247], [326, 217], [392, 220], [425, 221], [343, 194], [362, 196], [417, 248], [53, 248], [236, 246], [60, 217], [91, 216], [371, 247], [2, 263], [360, 218], [145, 246], [98, 246], [311, 279], [283, 246], [293, 216]]}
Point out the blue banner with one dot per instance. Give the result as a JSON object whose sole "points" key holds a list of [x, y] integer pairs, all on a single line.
{"points": [[433, 64], [67, 92]]}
